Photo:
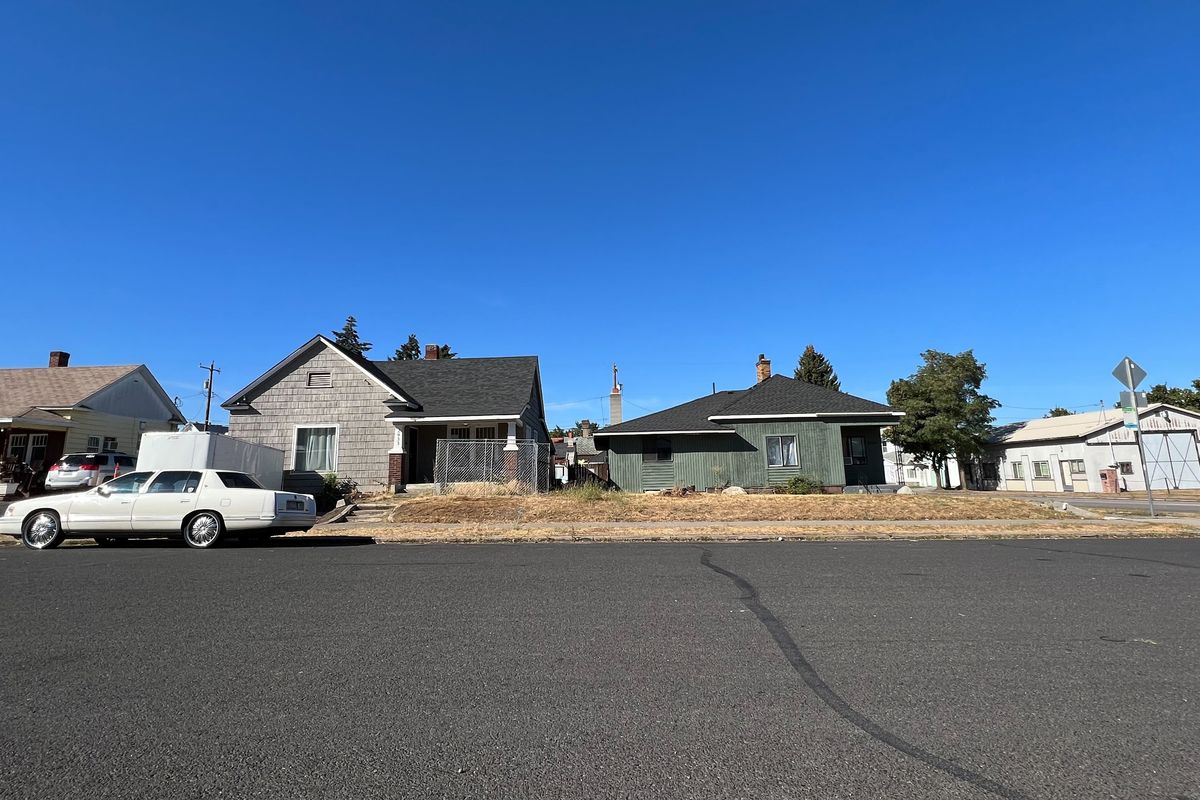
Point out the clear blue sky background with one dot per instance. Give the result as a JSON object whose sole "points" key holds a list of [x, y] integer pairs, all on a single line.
{"points": [[676, 187]]}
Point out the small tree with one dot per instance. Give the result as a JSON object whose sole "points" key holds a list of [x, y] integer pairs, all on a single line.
{"points": [[557, 432], [1176, 396], [409, 351], [945, 411], [814, 368], [1057, 411], [347, 338], [445, 352]]}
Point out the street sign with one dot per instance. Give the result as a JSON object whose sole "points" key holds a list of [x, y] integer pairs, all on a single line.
{"points": [[1137, 399], [1129, 373]]}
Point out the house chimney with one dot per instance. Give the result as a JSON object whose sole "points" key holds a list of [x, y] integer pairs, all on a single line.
{"points": [[58, 358], [764, 367], [431, 352], [585, 429], [614, 401]]}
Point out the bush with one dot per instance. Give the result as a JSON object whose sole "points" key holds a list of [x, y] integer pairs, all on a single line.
{"points": [[331, 491], [803, 484]]}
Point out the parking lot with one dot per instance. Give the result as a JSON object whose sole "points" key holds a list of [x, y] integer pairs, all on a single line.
{"points": [[861, 669]]}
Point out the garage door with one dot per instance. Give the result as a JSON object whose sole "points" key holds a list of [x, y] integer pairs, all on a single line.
{"points": [[1172, 460]]}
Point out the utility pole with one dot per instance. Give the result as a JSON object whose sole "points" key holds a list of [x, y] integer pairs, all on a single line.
{"points": [[212, 367]]}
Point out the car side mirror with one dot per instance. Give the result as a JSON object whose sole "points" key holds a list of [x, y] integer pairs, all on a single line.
{"points": [[103, 491]]}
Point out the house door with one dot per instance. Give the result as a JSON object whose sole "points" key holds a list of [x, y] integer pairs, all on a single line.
{"points": [[1067, 484]]}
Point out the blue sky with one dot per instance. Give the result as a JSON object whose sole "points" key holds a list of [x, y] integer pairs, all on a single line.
{"points": [[676, 187]]}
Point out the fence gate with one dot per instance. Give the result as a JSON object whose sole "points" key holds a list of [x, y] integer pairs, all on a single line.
{"points": [[460, 461]]}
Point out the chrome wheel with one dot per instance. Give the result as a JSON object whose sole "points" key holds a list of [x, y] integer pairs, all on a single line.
{"points": [[202, 530], [42, 531]]}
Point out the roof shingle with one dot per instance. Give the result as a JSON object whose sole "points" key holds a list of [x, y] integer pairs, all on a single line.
{"points": [[53, 387]]}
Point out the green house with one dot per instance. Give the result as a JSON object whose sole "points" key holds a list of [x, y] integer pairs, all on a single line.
{"points": [[755, 437]]}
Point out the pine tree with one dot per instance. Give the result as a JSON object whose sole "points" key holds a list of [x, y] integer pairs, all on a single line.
{"points": [[445, 352], [409, 351], [347, 338], [814, 368]]}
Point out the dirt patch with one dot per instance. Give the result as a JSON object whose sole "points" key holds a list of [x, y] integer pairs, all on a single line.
{"points": [[622, 507]]}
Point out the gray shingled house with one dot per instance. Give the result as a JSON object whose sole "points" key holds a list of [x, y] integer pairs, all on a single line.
{"points": [[755, 437], [378, 422]]}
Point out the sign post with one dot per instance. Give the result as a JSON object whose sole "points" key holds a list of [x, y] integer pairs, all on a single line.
{"points": [[1130, 375]]}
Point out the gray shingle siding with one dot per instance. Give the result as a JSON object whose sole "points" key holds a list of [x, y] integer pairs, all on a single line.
{"points": [[354, 403]]}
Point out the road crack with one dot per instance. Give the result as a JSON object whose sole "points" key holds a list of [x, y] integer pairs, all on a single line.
{"points": [[838, 704]]}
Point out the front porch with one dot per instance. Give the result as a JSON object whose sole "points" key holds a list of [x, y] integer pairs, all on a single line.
{"points": [[29, 444], [412, 461]]}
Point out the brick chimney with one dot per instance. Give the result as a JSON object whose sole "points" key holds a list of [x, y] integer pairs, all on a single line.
{"points": [[764, 367], [585, 429], [432, 351], [58, 358]]}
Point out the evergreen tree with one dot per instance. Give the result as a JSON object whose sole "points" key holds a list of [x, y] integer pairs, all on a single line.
{"points": [[445, 352], [945, 411], [347, 338], [814, 368], [1057, 411], [409, 351]]}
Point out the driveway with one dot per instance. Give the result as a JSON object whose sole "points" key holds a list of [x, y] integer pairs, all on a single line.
{"points": [[1044, 669]]}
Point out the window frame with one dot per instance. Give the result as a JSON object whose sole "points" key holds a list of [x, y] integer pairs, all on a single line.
{"points": [[92, 448], [106, 448], [1071, 462], [782, 451], [337, 435], [652, 450], [1048, 476], [191, 476], [1018, 470], [851, 460], [1124, 467]]}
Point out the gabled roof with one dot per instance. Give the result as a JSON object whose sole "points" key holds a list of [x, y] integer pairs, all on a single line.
{"points": [[1072, 426], [778, 397], [454, 387], [443, 387], [54, 387]]}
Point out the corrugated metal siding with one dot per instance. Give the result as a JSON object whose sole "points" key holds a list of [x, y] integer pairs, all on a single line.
{"points": [[354, 403]]}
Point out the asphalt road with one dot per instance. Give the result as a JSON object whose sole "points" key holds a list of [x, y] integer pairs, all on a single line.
{"points": [[1034, 669], [1161, 504]]}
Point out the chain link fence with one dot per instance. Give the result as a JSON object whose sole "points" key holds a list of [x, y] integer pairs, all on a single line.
{"points": [[485, 463]]}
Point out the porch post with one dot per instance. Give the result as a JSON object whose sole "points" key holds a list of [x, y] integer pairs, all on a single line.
{"points": [[511, 451], [511, 444], [396, 460]]}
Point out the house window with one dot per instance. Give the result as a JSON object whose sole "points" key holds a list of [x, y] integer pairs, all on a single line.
{"points": [[320, 380], [37, 448], [656, 448], [1077, 467], [18, 443], [1018, 470], [1126, 467], [460, 433], [781, 451], [110, 443], [856, 450], [1041, 469], [316, 449], [485, 433], [93, 445]]}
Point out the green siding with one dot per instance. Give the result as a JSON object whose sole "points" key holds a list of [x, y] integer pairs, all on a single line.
{"points": [[738, 459]]}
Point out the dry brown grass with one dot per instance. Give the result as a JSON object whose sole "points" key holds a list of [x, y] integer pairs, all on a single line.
{"points": [[482, 533], [621, 507]]}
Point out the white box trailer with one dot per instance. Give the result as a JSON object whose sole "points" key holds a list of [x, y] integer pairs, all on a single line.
{"points": [[200, 450]]}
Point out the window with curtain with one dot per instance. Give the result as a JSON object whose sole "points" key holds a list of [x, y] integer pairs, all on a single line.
{"points": [[316, 449], [781, 451]]}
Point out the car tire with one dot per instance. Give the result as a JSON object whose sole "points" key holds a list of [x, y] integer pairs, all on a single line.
{"points": [[42, 530], [203, 530]]}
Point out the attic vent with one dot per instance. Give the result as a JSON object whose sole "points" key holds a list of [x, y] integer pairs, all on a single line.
{"points": [[320, 380]]}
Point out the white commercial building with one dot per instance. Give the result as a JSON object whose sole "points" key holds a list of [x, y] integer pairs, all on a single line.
{"points": [[1066, 454]]}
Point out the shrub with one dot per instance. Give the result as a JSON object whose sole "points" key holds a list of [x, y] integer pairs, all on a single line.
{"points": [[588, 493], [803, 484], [331, 491]]}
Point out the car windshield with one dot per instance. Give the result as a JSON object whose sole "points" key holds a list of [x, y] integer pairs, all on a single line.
{"points": [[79, 460], [238, 480]]}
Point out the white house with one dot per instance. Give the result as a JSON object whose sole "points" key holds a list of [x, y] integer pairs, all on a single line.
{"points": [[899, 467], [1066, 454]]}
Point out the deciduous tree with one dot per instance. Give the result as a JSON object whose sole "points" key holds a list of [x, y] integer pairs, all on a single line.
{"points": [[1057, 411], [1176, 395]]}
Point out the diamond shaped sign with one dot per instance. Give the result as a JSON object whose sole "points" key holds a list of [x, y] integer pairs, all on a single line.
{"points": [[1129, 373]]}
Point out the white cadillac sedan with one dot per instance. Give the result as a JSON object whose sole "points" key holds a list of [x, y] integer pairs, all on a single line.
{"points": [[200, 505]]}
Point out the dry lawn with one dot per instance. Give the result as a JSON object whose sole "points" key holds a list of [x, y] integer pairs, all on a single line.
{"points": [[621, 507]]}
